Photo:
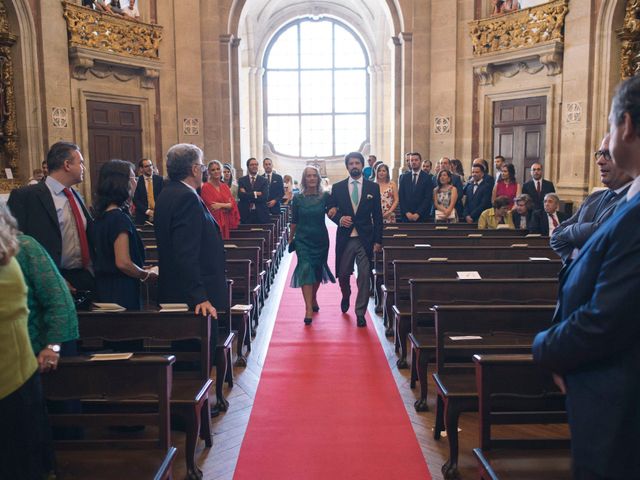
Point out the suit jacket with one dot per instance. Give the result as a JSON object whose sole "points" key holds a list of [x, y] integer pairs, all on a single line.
{"points": [[540, 221], [574, 232], [140, 196], [476, 203], [191, 255], [595, 344], [415, 199], [275, 192], [516, 219], [246, 199], [36, 215], [538, 200], [367, 220]]}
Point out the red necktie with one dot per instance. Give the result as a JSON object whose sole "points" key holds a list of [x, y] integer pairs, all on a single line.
{"points": [[82, 233], [553, 220], [538, 187]]}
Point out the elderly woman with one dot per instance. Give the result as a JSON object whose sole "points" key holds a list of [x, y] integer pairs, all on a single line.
{"points": [[497, 217], [119, 264], [310, 239], [219, 200], [27, 453]]}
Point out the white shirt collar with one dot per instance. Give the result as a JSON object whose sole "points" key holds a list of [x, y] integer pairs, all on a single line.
{"points": [[190, 187], [54, 185], [634, 189], [618, 190], [359, 180]]}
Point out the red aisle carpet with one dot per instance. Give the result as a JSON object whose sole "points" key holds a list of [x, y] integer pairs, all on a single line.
{"points": [[327, 406]]}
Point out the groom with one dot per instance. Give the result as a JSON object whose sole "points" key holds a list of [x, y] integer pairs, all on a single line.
{"points": [[359, 218]]}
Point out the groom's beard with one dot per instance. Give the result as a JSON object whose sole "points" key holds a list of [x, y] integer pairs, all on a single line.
{"points": [[355, 173]]}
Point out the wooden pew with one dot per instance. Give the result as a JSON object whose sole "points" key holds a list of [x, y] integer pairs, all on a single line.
{"points": [[191, 385], [463, 241], [461, 332], [405, 270], [430, 226], [457, 232], [235, 252], [383, 263], [425, 293], [240, 272], [108, 457], [260, 267], [267, 232], [513, 390]]}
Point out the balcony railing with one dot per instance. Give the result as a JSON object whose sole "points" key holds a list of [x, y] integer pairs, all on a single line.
{"points": [[521, 29], [112, 34]]}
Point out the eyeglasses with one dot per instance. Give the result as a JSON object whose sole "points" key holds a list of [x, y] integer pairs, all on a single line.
{"points": [[603, 153], [201, 166]]}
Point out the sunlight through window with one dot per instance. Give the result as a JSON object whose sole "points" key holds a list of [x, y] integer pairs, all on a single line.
{"points": [[316, 90]]}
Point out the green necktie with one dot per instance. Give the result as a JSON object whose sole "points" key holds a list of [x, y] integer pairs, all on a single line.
{"points": [[354, 193]]}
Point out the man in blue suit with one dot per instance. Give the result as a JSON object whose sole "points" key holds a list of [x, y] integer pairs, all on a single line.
{"points": [[477, 193], [416, 192], [359, 219], [594, 345], [191, 255]]}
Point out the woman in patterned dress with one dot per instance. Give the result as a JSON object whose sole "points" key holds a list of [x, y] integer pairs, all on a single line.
{"points": [[388, 193]]}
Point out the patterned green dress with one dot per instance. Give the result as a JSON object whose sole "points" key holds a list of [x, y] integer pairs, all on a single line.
{"points": [[311, 240]]}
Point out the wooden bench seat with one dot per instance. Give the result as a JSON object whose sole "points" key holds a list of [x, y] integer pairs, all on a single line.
{"points": [[192, 383], [512, 389], [121, 455], [463, 331]]}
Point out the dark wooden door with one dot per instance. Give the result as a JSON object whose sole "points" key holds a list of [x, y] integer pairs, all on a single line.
{"points": [[115, 131], [519, 132]]}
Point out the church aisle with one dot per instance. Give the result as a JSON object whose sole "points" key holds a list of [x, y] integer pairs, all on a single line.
{"points": [[327, 405]]}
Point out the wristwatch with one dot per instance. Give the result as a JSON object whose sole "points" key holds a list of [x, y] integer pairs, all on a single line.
{"points": [[54, 347]]}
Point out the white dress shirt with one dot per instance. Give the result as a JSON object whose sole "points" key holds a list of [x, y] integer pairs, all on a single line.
{"points": [[354, 232], [71, 256]]}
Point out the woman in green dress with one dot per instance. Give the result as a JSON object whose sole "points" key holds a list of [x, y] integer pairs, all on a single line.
{"points": [[310, 239]]}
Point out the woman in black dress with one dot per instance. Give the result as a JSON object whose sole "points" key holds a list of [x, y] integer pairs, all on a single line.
{"points": [[119, 250]]}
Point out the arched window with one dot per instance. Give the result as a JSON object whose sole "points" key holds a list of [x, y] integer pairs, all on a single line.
{"points": [[316, 90]]}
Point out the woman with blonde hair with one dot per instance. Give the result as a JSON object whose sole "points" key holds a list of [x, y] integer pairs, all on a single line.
{"points": [[310, 239], [219, 200], [388, 193]]}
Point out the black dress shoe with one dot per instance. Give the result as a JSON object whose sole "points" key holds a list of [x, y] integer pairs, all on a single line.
{"points": [[316, 309], [361, 322], [344, 304], [307, 320]]}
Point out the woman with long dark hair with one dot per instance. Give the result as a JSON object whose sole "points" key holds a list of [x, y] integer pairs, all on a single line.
{"points": [[507, 185], [388, 193], [119, 265]]}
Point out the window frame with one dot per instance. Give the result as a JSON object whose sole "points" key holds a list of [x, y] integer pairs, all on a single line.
{"points": [[335, 23]]}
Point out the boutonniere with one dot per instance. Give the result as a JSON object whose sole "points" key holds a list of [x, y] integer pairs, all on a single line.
{"points": [[369, 196]]}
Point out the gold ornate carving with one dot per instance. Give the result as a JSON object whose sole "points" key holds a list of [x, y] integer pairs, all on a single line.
{"points": [[9, 150], [520, 29], [630, 38], [106, 33]]}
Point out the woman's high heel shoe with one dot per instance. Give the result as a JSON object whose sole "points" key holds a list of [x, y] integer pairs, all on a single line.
{"points": [[316, 308], [307, 320]]}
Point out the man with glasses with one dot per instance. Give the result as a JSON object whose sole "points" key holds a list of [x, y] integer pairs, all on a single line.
{"points": [[191, 255], [147, 192], [572, 234]]}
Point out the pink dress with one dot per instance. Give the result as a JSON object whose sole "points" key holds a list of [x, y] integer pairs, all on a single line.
{"points": [[507, 190]]}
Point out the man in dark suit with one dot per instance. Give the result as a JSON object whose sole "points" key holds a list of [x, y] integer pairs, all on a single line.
{"points": [[594, 345], [416, 192], [545, 221], [573, 233], [252, 195], [54, 214], [275, 187], [487, 176], [191, 255], [523, 212], [147, 192], [359, 219], [477, 193], [537, 187]]}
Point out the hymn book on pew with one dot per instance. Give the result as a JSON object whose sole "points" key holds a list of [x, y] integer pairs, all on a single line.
{"points": [[107, 307], [105, 357], [174, 307]]}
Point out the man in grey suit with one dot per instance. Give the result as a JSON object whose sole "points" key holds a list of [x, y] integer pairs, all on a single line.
{"points": [[593, 345], [572, 234]]}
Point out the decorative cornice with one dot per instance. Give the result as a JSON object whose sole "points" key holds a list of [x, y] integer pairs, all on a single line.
{"points": [[520, 29]]}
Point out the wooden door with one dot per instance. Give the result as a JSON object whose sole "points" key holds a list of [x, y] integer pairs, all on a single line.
{"points": [[519, 132], [115, 131]]}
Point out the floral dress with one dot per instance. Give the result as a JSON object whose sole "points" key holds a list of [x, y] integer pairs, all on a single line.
{"points": [[386, 198]]}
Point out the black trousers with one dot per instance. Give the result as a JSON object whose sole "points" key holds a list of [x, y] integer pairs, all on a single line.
{"points": [[581, 473], [26, 451]]}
